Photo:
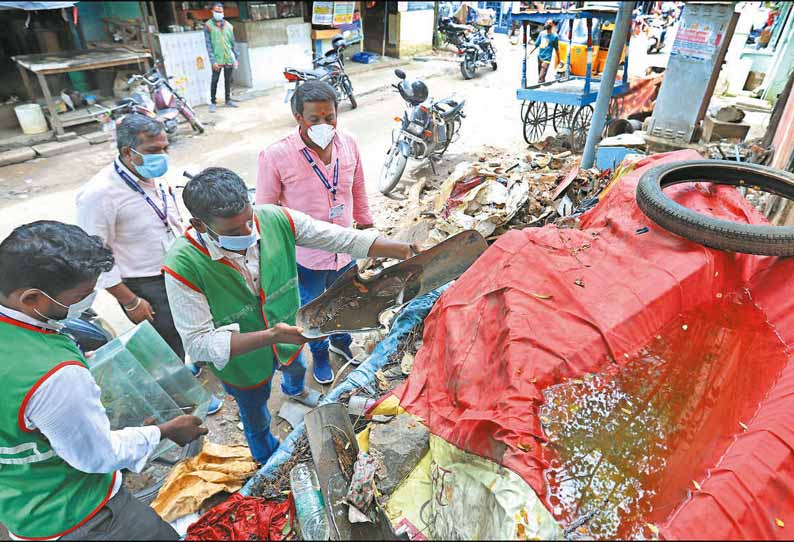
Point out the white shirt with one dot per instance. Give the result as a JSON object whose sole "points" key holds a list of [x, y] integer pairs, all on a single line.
{"points": [[121, 216], [191, 311], [67, 410]]}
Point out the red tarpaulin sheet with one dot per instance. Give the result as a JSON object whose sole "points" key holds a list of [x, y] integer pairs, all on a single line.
{"points": [[495, 340]]}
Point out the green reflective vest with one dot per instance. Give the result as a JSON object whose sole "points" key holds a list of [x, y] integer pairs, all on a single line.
{"points": [[231, 301], [222, 41], [41, 496]]}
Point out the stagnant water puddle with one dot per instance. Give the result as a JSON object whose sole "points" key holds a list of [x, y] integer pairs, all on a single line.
{"points": [[627, 445]]}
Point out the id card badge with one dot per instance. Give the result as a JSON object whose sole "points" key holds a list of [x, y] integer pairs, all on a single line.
{"points": [[336, 211]]}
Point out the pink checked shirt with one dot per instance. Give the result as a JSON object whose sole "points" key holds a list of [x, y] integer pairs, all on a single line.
{"points": [[285, 177]]}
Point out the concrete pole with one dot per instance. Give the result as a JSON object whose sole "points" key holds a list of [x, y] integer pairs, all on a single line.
{"points": [[616, 44]]}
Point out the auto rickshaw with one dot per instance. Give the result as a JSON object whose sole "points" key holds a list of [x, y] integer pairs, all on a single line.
{"points": [[601, 36]]}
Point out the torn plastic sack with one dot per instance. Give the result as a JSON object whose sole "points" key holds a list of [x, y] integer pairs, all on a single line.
{"points": [[244, 518], [217, 468], [550, 306]]}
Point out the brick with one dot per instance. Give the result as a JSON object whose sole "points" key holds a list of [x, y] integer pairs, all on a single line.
{"points": [[97, 137], [57, 147], [16, 156]]}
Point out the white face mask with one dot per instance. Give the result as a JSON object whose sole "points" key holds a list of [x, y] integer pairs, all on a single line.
{"points": [[73, 311], [217, 16], [322, 134]]}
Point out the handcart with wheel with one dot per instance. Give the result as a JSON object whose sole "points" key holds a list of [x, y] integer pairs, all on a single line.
{"points": [[567, 101]]}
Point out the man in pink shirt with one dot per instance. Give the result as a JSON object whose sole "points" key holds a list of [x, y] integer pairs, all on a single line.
{"points": [[318, 171]]}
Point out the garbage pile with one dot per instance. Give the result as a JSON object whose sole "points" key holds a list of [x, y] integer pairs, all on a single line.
{"points": [[495, 192]]}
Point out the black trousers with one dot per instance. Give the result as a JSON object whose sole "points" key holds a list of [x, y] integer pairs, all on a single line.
{"points": [[152, 289], [227, 80], [124, 518]]}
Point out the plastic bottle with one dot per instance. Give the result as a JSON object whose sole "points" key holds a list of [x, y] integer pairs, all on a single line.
{"points": [[309, 503]]}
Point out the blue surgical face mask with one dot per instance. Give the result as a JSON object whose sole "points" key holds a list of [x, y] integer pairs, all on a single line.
{"points": [[217, 16], [235, 242], [154, 165]]}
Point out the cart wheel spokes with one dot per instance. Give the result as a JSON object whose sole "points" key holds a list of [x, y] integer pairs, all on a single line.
{"points": [[580, 126], [562, 116], [535, 121]]}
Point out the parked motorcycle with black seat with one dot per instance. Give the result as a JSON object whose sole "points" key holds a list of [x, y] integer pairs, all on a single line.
{"points": [[454, 34], [427, 128], [477, 52], [329, 68]]}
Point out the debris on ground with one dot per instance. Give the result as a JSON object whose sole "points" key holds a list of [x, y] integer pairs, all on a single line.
{"points": [[277, 486], [217, 468], [401, 444]]}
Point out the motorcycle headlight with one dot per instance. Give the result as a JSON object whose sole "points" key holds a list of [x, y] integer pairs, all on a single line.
{"points": [[416, 128]]}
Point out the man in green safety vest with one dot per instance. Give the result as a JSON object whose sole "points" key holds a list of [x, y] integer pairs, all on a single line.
{"points": [[60, 464], [232, 283], [223, 53]]}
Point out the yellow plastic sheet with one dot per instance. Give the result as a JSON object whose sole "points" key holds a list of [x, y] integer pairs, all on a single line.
{"points": [[217, 468], [455, 495]]}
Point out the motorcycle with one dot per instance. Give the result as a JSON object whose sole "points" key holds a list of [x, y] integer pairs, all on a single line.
{"points": [[657, 32], [477, 52], [161, 101], [330, 68], [454, 34], [427, 128]]}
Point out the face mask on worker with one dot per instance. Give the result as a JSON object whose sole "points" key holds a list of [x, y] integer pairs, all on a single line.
{"points": [[75, 310], [217, 16], [154, 165], [321, 134], [235, 242]]}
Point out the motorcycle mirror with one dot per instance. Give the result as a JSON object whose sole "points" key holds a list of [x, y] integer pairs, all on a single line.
{"points": [[399, 73]]}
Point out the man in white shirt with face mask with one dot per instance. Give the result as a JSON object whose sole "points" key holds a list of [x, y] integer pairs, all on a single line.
{"points": [[317, 170]]}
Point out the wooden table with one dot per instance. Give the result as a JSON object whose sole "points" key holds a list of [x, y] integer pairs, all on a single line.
{"points": [[72, 61]]}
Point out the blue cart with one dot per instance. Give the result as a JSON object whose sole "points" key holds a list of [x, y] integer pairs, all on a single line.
{"points": [[570, 95]]}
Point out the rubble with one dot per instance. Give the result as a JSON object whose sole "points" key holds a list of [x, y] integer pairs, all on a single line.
{"points": [[400, 444]]}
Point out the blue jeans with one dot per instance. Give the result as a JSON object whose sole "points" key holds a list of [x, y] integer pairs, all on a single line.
{"points": [[254, 412], [312, 283]]}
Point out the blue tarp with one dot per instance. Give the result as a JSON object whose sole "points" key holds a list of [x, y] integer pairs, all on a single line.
{"points": [[364, 376]]}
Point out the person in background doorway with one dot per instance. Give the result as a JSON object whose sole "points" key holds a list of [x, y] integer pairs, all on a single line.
{"points": [[547, 43], [317, 170], [223, 53], [60, 464], [132, 209], [232, 280]]}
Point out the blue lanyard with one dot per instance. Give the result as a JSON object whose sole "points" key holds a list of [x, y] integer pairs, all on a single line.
{"points": [[161, 214], [321, 175]]}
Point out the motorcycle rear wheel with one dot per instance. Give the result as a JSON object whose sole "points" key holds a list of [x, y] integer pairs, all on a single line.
{"points": [[392, 170], [467, 67]]}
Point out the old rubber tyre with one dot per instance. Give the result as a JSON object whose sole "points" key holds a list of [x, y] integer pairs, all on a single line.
{"points": [[348, 87], [713, 232]]}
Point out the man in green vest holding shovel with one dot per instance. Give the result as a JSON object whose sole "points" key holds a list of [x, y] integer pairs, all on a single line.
{"points": [[223, 53], [60, 464], [232, 284]]}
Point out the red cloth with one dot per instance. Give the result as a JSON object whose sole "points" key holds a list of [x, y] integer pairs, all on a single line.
{"points": [[494, 341], [243, 518]]}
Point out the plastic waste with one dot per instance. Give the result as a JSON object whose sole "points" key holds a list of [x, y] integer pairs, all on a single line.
{"points": [[309, 503]]}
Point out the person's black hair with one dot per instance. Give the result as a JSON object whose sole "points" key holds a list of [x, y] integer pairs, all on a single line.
{"points": [[312, 91], [128, 132], [51, 256], [216, 192], [216, 4]]}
